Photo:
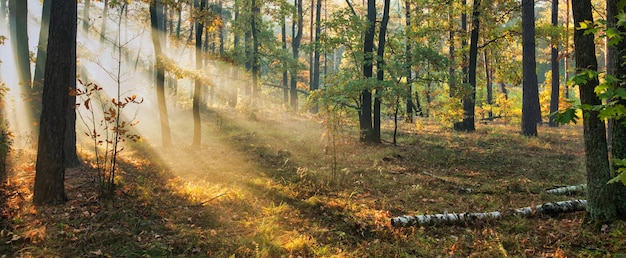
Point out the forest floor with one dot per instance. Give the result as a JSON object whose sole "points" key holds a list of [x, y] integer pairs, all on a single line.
{"points": [[274, 186]]}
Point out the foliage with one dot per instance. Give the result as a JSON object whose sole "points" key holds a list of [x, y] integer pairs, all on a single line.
{"points": [[107, 129]]}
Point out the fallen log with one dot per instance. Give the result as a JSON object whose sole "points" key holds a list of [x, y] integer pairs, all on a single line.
{"points": [[550, 208], [567, 190]]}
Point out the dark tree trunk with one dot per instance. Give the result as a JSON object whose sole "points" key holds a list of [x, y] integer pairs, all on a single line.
{"points": [[554, 60], [179, 20], [50, 172], [315, 76], [469, 100], [40, 64], [531, 114], [600, 196], [18, 13], [221, 30], [365, 114], [256, 17], [86, 8], [295, 47], [160, 75], [311, 42], [489, 82], [617, 127], [451, 55], [410, 106], [105, 19], [197, 90], [380, 70], [285, 81]]}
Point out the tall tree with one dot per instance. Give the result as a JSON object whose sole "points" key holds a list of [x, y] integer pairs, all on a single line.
{"points": [[315, 76], [410, 106], [3, 10], [365, 113], [18, 13], [50, 169], [86, 8], [469, 96], [296, 29], [160, 74], [617, 61], [197, 134], [531, 114], [256, 17], [600, 205], [105, 20], [554, 61], [380, 70], [285, 79], [40, 64]]}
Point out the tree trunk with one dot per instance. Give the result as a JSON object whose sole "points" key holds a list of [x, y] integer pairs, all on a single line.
{"points": [[256, 16], [469, 98], [295, 47], [315, 81], [50, 170], [179, 20], [554, 55], [221, 29], [365, 119], [160, 75], [197, 130], [105, 19], [40, 64], [3, 11], [489, 82], [18, 13], [617, 128], [600, 196], [531, 114], [285, 81], [451, 56], [86, 7], [409, 67], [380, 70]]}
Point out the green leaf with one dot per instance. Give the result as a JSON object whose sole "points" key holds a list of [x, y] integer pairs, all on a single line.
{"points": [[567, 116]]}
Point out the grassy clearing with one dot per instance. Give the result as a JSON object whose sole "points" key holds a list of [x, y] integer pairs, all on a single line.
{"points": [[264, 189]]}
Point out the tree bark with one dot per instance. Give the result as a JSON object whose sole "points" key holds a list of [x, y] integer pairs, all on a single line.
{"points": [[380, 70], [197, 130], [365, 119], [40, 64], [601, 207], [531, 115], [105, 19], [18, 13], [295, 48], [160, 75], [50, 169], [256, 17], [315, 81], [469, 98], [617, 126], [554, 55], [285, 79]]}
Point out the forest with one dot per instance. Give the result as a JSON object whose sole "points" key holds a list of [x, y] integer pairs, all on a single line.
{"points": [[284, 128]]}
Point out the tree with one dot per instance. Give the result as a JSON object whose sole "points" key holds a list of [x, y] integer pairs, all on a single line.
{"points": [[18, 14], [617, 61], [197, 136], [601, 207], [410, 106], [105, 19], [469, 96], [254, 26], [160, 74], [315, 76], [380, 70], [86, 8], [50, 169], [531, 114], [295, 48], [554, 61], [365, 114], [40, 65]]}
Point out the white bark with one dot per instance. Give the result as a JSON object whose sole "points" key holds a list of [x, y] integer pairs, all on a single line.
{"points": [[451, 218], [568, 189]]}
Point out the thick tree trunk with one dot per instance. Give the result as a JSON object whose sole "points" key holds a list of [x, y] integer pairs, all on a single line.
{"points": [[618, 127], [365, 114], [160, 76], [50, 170], [601, 207], [197, 91], [531, 115], [469, 99], [554, 61], [40, 64], [550, 208]]}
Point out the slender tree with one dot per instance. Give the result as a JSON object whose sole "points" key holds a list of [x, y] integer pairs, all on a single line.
{"points": [[256, 17], [197, 136], [315, 76], [105, 20], [600, 196], [469, 97], [410, 105], [365, 113], [554, 61], [3, 10], [86, 8], [380, 70], [531, 114], [285, 78], [295, 48], [40, 64], [18, 13], [50, 169], [160, 75]]}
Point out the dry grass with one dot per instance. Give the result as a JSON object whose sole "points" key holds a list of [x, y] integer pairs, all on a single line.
{"points": [[265, 189]]}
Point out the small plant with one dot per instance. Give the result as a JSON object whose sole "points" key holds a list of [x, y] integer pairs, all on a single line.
{"points": [[107, 130]]}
